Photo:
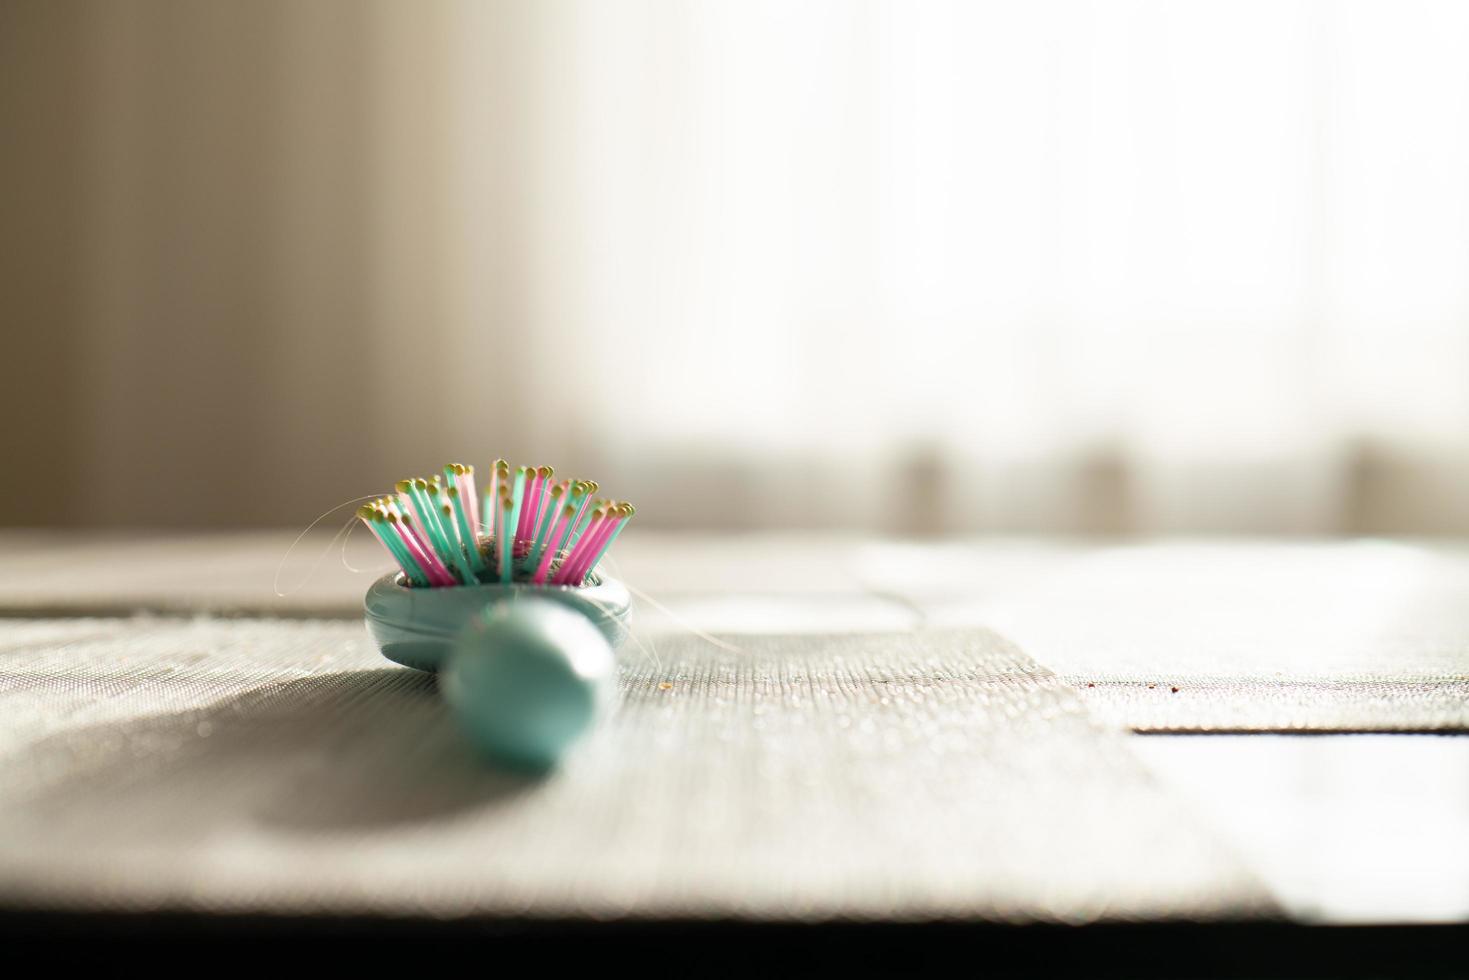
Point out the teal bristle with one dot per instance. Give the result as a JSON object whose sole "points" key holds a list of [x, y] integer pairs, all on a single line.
{"points": [[438, 540]]}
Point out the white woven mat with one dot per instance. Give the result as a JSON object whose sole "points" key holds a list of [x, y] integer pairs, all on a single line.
{"points": [[282, 766], [1209, 636]]}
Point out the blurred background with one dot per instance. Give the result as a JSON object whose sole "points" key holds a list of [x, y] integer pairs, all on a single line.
{"points": [[909, 268]]}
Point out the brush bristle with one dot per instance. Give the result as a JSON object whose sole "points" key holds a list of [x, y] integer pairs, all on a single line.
{"points": [[526, 528]]}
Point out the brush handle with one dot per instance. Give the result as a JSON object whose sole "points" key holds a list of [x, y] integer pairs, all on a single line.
{"points": [[526, 678]]}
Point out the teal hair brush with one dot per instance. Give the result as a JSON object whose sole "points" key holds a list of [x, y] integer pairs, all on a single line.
{"points": [[501, 597]]}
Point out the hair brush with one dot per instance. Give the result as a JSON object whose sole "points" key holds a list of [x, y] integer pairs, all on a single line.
{"points": [[500, 595]]}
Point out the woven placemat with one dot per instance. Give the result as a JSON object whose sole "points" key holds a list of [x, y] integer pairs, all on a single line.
{"points": [[282, 766], [1232, 705], [1361, 636]]}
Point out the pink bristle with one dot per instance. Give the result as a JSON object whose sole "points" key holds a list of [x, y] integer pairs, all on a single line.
{"points": [[580, 550], [583, 551], [581, 512], [401, 508], [584, 567], [524, 529], [417, 542], [558, 520], [540, 503], [427, 560]]}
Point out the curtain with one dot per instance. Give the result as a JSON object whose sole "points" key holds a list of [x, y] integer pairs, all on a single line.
{"points": [[904, 267]]}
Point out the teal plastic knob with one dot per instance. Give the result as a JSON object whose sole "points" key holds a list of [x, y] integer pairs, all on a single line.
{"points": [[526, 678]]}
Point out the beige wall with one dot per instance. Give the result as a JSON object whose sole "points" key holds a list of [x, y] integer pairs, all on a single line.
{"points": [[192, 242], [213, 213], [41, 239]]}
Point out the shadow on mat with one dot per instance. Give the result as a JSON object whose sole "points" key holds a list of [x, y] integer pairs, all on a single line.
{"points": [[352, 750]]}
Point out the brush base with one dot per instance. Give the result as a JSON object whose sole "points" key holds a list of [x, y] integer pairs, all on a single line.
{"points": [[417, 627]]}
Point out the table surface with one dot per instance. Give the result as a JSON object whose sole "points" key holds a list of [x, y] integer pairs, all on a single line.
{"points": [[1335, 828]]}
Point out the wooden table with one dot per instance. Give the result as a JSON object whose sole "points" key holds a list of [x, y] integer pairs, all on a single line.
{"points": [[1269, 831]]}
